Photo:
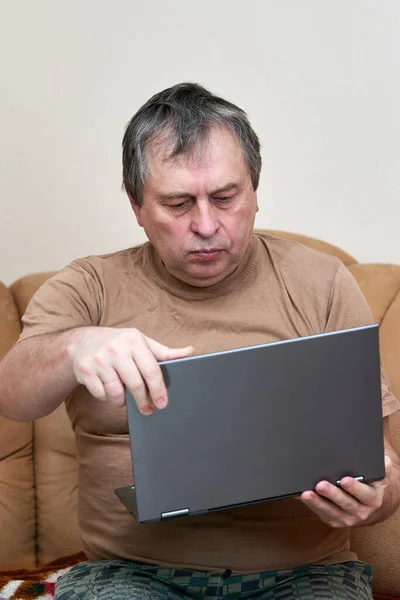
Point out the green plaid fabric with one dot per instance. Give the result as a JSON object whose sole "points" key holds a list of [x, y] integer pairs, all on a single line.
{"points": [[125, 580]]}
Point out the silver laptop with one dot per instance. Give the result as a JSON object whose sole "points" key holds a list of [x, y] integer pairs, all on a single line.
{"points": [[258, 423]]}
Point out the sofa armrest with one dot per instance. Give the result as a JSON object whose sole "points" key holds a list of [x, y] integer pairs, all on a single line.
{"points": [[380, 544], [17, 498]]}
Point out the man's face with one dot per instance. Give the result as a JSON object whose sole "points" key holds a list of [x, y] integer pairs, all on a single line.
{"points": [[199, 213]]}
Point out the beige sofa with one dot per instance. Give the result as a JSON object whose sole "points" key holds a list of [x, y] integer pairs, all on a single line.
{"points": [[38, 474]]}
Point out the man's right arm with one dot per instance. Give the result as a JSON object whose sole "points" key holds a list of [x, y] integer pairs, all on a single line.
{"points": [[40, 372], [36, 376]]}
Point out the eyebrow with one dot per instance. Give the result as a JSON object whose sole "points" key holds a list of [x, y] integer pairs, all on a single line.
{"points": [[176, 195]]}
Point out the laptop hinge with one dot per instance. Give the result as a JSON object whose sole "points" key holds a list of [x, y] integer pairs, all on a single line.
{"points": [[175, 513], [361, 478]]}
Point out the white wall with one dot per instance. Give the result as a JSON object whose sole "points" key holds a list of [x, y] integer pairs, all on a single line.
{"points": [[319, 80]]}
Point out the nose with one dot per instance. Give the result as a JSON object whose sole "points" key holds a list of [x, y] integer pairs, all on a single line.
{"points": [[204, 219]]}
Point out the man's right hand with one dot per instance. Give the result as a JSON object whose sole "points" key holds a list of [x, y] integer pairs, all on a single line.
{"points": [[105, 359]]}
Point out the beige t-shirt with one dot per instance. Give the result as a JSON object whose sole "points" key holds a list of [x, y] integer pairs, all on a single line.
{"points": [[281, 290]]}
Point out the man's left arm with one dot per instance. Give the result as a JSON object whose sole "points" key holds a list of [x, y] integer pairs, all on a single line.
{"points": [[355, 503]]}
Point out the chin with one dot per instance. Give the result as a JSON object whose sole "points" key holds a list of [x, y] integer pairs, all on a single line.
{"points": [[205, 277], [203, 283]]}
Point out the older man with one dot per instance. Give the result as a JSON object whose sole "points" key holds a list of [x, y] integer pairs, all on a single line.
{"points": [[203, 282]]}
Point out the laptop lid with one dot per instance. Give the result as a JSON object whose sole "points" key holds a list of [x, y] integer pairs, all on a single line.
{"points": [[258, 423]]}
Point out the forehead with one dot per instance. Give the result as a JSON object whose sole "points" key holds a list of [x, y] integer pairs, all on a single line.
{"points": [[218, 157]]}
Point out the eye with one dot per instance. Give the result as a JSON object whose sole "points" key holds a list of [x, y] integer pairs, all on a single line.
{"points": [[179, 205], [224, 199]]}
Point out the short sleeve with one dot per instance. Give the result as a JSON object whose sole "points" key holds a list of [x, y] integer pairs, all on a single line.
{"points": [[348, 308], [71, 298]]}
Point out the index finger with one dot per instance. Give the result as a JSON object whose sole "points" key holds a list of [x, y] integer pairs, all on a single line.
{"points": [[152, 375], [362, 492], [162, 352]]}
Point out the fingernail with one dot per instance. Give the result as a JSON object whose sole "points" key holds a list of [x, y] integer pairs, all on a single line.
{"points": [[322, 487], [147, 410], [161, 402]]}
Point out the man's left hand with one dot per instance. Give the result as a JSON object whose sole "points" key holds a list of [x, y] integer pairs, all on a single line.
{"points": [[353, 503]]}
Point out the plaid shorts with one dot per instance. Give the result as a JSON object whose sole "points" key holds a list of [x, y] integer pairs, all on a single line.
{"points": [[125, 580]]}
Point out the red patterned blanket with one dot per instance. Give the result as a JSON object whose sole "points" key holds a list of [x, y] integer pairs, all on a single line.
{"points": [[37, 584]]}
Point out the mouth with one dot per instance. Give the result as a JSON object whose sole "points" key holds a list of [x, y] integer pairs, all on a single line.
{"points": [[209, 254]]}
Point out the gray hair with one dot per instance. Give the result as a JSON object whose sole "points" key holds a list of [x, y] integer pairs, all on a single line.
{"points": [[182, 117]]}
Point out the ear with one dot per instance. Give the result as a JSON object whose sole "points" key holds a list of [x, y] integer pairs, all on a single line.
{"points": [[137, 210]]}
